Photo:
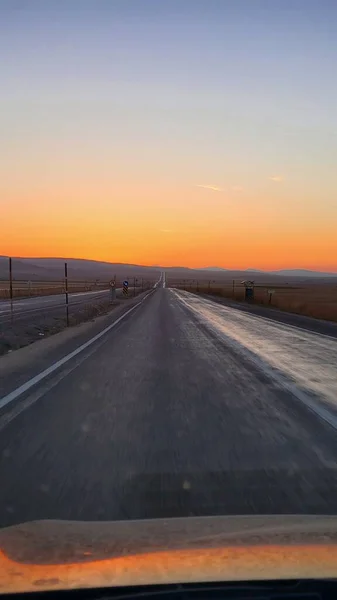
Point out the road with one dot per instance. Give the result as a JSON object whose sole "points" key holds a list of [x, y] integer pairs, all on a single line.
{"points": [[27, 308], [183, 407]]}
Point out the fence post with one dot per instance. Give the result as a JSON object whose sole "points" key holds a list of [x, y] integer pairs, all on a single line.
{"points": [[233, 292], [11, 287], [66, 291]]}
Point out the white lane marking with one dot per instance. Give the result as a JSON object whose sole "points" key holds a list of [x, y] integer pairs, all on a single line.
{"points": [[29, 384], [21, 303], [296, 327], [275, 322], [53, 303], [276, 375], [90, 293], [47, 386]]}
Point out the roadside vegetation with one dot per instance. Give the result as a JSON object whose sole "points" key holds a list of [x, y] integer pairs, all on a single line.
{"points": [[34, 289], [25, 328]]}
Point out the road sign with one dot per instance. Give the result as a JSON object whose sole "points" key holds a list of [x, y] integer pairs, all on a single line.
{"points": [[248, 284], [249, 289], [125, 287]]}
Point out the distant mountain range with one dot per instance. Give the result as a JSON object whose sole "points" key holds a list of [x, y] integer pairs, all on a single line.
{"points": [[50, 269], [283, 272], [304, 273], [81, 269]]}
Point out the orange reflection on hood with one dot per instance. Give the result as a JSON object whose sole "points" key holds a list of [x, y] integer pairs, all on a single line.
{"points": [[197, 565]]}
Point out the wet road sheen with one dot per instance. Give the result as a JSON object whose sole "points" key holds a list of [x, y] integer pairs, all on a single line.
{"points": [[187, 408]]}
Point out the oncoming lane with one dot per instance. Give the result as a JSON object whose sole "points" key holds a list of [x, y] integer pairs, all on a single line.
{"points": [[29, 305]]}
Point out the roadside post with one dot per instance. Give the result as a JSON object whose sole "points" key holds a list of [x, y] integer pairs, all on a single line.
{"points": [[233, 289], [134, 286], [125, 288], [66, 291], [11, 287], [270, 293], [113, 290]]}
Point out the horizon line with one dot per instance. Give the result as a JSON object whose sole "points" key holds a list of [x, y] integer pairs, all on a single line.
{"points": [[205, 268]]}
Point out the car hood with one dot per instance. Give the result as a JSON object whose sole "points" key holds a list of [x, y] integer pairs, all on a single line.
{"points": [[49, 555]]}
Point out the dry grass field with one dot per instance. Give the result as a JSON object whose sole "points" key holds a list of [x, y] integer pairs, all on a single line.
{"points": [[317, 300], [30, 289]]}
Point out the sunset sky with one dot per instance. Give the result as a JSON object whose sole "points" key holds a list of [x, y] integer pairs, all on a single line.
{"points": [[172, 132]]}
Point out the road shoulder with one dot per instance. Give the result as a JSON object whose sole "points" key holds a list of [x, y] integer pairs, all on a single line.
{"points": [[25, 363], [309, 323]]}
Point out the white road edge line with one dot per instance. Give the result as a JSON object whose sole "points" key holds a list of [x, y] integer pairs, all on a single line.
{"points": [[31, 382], [270, 371], [262, 317]]}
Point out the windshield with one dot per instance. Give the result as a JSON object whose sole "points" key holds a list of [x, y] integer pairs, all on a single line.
{"points": [[168, 269]]}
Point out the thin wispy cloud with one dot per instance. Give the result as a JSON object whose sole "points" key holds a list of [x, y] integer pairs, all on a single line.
{"points": [[237, 188], [213, 188], [276, 178]]}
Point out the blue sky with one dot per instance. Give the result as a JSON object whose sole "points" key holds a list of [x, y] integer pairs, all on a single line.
{"points": [[230, 94]]}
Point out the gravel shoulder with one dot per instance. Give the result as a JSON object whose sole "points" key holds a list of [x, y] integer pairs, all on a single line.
{"points": [[41, 317]]}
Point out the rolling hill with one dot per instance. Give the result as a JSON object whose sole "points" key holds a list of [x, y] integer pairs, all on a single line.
{"points": [[50, 269]]}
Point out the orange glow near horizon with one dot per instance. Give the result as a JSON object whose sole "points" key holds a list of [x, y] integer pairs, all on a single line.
{"points": [[119, 145], [188, 227]]}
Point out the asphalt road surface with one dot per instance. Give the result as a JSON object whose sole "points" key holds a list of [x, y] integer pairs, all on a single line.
{"points": [[185, 407], [29, 308]]}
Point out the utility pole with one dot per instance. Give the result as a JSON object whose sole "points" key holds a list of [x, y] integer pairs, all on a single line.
{"points": [[66, 291], [11, 287]]}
